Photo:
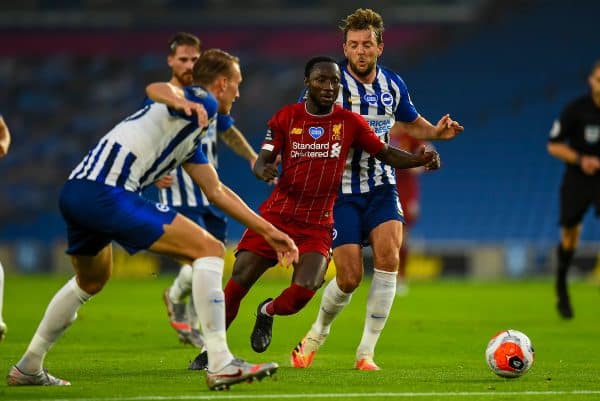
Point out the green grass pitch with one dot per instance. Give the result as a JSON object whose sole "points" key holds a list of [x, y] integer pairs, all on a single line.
{"points": [[122, 348]]}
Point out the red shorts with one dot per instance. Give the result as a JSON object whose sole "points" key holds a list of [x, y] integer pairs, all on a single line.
{"points": [[308, 237]]}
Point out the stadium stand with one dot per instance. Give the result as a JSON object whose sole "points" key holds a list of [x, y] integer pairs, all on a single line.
{"points": [[504, 78]]}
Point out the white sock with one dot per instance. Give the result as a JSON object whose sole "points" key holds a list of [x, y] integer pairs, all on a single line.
{"points": [[209, 301], [192, 315], [1, 290], [182, 286], [380, 300], [60, 313], [332, 303]]}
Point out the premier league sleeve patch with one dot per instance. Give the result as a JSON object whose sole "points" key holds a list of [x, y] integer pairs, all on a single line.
{"points": [[269, 136]]}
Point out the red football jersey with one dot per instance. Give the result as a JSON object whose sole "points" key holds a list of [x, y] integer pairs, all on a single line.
{"points": [[313, 150]]}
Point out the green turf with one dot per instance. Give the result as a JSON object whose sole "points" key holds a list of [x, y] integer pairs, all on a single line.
{"points": [[122, 347]]}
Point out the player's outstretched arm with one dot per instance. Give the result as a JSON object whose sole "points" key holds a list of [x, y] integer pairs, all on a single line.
{"points": [[265, 168], [401, 159], [236, 141], [205, 176], [172, 96], [4, 138], [446, 128]]}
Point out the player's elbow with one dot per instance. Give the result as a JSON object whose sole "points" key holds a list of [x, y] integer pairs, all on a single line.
{"points": [[214, 194], [552, 148]]}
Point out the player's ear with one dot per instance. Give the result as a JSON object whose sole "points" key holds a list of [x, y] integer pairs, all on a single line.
{"points": [[306, 81]]}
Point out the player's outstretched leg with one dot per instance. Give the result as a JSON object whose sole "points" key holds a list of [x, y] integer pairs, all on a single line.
{"points": [[60, 314], [238, 371], [17, 378], [379, 303], [177, 317], [260, 339], [333, 302], [304, 353]]}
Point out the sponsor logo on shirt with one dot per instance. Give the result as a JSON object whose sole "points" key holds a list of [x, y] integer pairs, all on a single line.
{"points": [[296, 131], [313, 150], [381, 127], [316, 132], [591, 133], [370, 98], [386, 98]]}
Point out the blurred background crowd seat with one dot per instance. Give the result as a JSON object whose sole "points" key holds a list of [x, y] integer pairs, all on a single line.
{"points": [[70, 70]]}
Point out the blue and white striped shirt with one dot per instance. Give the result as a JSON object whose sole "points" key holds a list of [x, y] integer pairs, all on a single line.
{"points": [[147, 145], [183, 191], [381, 103]]}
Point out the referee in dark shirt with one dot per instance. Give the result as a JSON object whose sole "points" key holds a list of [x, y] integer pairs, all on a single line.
{"points": [[575, 139]]}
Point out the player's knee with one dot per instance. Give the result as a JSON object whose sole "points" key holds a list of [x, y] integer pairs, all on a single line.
{"points": [[312, 284], [570, 237], [210, 247], [389, 261], [349, 281], [91, 285]]}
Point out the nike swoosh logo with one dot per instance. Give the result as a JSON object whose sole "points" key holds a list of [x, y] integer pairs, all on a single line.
{"points": [[217, 301], [377, 316]]}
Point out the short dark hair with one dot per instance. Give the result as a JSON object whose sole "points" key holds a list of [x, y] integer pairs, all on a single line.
{"points": [[211, 64], [363, 18], [183, 39], [310, 65]]}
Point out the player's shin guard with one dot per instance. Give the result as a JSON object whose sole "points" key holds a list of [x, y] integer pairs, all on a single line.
{"points": [[234, 293], [60, 314], [332, 303], [290, 301], [379, 303], [209, 301]]}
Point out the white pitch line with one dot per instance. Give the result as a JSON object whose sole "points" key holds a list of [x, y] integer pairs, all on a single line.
{"points": [[326, 395]]}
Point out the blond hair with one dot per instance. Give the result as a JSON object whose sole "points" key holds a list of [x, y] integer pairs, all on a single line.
{"points": [[211, 64]]}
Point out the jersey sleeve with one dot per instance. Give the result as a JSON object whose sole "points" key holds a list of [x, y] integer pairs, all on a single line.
{"points": [[199, 95], [406, 110], [365, 136], [275, 136], [224, 122], [562, 127], [147, 101], [197, 156]]}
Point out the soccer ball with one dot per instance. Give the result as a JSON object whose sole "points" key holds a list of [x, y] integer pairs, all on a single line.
{"points": [[509, 353]]}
